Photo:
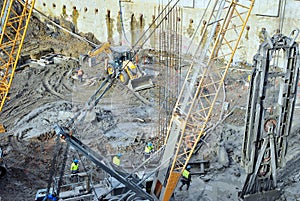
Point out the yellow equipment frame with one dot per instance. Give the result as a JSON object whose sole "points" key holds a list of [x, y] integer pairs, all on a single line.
{"points": [[193, 110], [13, 27]]}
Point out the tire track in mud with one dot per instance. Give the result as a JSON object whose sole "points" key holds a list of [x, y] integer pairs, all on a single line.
{"points": [[50, 88], [39, 86]]}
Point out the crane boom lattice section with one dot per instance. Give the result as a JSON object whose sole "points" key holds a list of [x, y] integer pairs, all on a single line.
{"points": [[193, 110], [15, 16]]}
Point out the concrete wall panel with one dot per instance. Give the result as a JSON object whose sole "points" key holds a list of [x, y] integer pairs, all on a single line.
{"points": [[91, 21]]}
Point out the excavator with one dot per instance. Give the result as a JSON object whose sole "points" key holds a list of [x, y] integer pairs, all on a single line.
{"points": [[13, 27], [119, 63]]}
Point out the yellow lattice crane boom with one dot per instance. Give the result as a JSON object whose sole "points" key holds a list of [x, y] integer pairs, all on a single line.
{"points": [[13, 27], [194, 107]]}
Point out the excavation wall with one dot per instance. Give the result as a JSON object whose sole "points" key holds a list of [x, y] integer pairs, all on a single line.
{"points": [[103, 20]]}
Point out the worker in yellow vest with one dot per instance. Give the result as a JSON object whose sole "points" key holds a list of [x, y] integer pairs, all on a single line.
{"points": [[186, 178], [74, 167], [148, 150], [117, 159]]}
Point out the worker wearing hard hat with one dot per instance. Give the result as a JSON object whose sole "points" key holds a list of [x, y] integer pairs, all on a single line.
{"points": [[186, 178], [52, 197], [74, 167], [117, 159], [148, 150]]}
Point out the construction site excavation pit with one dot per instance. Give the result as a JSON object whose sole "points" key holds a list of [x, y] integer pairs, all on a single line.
{"points": [[76, 98]]}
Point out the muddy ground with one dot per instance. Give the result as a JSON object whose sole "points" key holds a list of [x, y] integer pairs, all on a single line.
{"points": [[43, 95]]}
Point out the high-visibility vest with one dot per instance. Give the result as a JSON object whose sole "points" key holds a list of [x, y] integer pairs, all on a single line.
{"points": [[148, 149], [185, 174], [116, 161], [74, 166]]}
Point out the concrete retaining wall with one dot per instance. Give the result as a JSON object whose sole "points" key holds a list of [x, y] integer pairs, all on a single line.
{"points": [[91, 16]]}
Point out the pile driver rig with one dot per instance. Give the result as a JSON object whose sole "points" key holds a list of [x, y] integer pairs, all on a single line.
{"points": [[271, 102]]}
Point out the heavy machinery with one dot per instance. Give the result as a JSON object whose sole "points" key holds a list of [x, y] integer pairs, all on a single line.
{"points": [[193, 109], [86, 193], [13, 26], [196, 101], [119, 64], [105, 47], [271, 101], [130, 181], [15, 17], [192, 112]]}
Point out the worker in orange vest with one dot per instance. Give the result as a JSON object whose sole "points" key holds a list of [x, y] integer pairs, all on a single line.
{"points": [[80, 74]]}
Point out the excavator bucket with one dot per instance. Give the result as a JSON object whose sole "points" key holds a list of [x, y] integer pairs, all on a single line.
{"points": [[141, 83]]}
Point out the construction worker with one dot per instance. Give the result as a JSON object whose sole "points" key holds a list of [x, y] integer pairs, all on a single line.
{"points": [[117, 159], [148, 150], [186, 178], [262, 35], [80, 74], [52, 197], [74, 167]]}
